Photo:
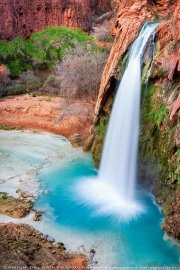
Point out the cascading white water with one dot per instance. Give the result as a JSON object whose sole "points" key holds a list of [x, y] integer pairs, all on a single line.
{"points": [[114, 190], [118, 165]]}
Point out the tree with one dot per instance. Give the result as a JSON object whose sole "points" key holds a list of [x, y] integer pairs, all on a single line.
{"points": [[79, 73]]}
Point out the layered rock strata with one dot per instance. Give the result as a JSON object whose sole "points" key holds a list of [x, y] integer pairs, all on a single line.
{"points": [[52, 114], [159, 138], [130, 18], [19, 17]]}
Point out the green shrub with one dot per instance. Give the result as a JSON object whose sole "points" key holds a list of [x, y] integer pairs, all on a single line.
{"points": [[41, 50], [26, 82], [102, 125], [15, 89], [157, 115]]}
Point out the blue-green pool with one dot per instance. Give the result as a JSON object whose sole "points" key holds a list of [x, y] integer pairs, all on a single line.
{"points": [[48, 167], [137, 243]]}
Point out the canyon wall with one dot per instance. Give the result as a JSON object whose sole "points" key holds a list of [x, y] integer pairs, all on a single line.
{"points": [[19, 17], [130, 18], [160, 136]]}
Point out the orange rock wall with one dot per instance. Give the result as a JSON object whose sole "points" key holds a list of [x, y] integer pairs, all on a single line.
{"points": [[52, 114], [131, 15], [165, 75], [18, 17]]}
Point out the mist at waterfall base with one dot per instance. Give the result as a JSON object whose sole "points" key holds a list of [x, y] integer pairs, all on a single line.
{"points": [[113, 191], [48, 167]]}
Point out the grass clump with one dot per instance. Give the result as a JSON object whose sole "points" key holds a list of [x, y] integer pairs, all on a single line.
{"points": [[157, 115]]}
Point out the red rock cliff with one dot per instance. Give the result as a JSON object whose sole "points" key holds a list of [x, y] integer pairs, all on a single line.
{"points": [[131, 15], [162, 138], [18, 17]]}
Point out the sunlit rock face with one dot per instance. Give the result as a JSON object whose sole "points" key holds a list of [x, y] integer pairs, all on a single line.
{"points": [[53, 114], [168, 38], [19, 17], [131, 15], [164, 94]]}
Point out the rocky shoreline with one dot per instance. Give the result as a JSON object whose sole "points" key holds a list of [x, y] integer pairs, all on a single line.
{"points": [[25, 248], [22, 246], [14, 207], [72, 119], [18, 207]]}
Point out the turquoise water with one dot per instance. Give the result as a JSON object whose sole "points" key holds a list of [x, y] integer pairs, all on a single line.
{"points": [[137, 243], [48, 167]]}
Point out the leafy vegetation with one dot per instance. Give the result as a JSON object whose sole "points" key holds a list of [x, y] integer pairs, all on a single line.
{"points": [[41, 50], [102, 125], [156, 140], [26, 82], [157, 115], [16, 89], [100, 131]]}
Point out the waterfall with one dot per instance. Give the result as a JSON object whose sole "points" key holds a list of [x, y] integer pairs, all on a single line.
{"points": [[114, 190], [118, 164]]}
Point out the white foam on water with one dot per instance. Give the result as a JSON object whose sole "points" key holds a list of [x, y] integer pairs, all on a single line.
{"points": [[24, 154], [106, 200], [74, 241], [114, 190]]}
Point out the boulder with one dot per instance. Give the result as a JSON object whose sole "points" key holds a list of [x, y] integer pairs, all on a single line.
{"points": [[37, 216]]}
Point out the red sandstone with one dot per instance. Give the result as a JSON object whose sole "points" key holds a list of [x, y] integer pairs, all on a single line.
{"points": [[131, 15], [18, 17], [52, 114]]}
